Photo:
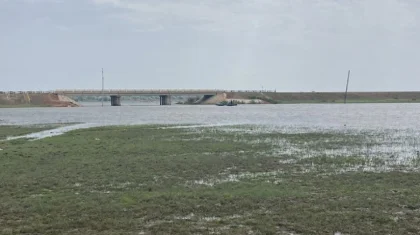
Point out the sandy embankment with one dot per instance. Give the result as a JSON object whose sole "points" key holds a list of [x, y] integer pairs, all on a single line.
{"points": [[36, 99], [230, 97]]}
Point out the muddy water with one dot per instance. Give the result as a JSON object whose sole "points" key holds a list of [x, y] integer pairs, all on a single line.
{"points": [[329, 116]]}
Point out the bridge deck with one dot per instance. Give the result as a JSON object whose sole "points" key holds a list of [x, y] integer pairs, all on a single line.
{"points": [[121, 92], [139, 92]]}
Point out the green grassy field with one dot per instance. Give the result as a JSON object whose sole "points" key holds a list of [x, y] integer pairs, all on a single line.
{"points": [[213, 180]]}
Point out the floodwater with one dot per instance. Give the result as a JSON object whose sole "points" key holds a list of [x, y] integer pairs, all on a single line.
{"points": [[322, 116], [390, 132]]}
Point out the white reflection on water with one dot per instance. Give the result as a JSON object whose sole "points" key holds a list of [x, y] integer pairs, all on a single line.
{"points": [[52, 132]]}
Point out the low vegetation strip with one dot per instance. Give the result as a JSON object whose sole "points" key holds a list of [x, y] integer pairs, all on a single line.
{"points": [[330, 97], [210, 180]]}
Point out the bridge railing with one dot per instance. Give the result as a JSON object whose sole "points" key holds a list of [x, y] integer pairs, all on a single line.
{"points": [[135, 91], [27, 92]]}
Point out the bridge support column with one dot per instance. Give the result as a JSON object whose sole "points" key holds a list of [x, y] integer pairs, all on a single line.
{"points": [[115, 100], [165, 100]]}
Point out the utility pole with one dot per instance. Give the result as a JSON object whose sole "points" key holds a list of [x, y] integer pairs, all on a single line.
{"points": [[347, 87], [102, 87]]}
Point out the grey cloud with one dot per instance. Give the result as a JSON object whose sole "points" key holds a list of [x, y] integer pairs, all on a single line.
{"points": [[34, 1], [233, 14], [287, 44]]}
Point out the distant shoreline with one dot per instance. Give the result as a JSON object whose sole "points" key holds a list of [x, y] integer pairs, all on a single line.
{"points": [[251, 97], [330, 97]]}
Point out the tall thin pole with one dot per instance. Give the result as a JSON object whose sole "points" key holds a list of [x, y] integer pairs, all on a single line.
{"points": [[102, 87], [347, 87]]}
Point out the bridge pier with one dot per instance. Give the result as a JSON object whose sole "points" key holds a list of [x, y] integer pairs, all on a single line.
{"points": [[165, 99], [115, 100]]}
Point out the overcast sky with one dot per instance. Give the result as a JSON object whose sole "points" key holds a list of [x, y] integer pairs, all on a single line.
{"points": [[287, 45]]}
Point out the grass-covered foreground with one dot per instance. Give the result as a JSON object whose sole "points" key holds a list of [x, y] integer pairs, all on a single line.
{"points": [[230, 180]]}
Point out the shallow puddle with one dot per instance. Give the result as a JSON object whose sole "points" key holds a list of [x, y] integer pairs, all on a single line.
{"points": [[53, 132]]}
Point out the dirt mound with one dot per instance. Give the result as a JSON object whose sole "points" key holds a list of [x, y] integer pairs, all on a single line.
{"points": [[36, 99]]}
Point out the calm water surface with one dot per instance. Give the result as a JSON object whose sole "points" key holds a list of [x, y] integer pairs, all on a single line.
{"points": [[329, 116]]}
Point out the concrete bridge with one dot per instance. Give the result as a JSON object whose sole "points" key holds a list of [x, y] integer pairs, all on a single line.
{"points": [[165, 95]]}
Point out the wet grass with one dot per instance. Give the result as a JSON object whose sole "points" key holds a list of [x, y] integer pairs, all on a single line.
{"points": [[153, 180]]}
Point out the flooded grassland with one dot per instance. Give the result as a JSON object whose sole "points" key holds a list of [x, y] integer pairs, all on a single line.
{"points": [[240, 179]]}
